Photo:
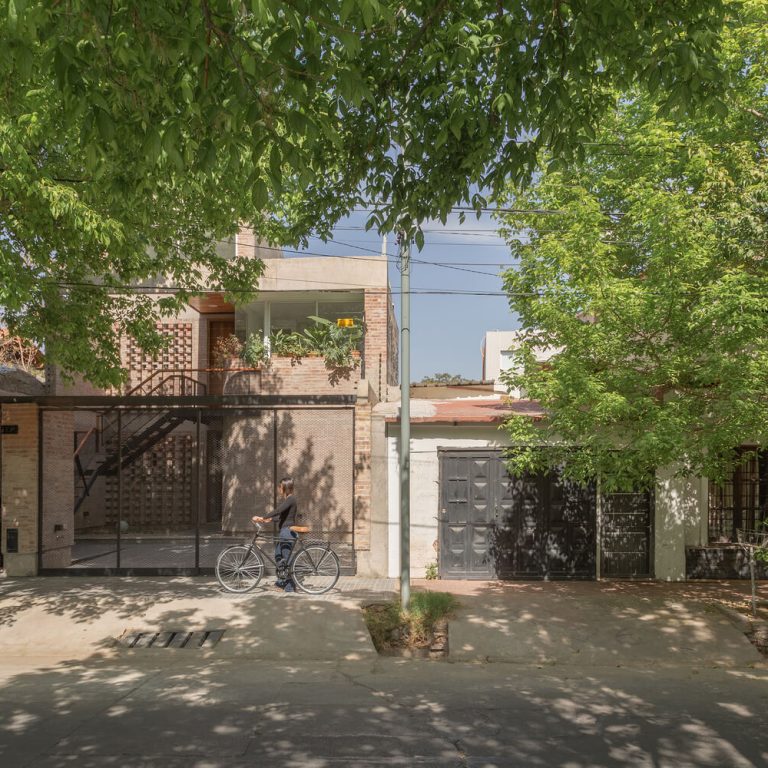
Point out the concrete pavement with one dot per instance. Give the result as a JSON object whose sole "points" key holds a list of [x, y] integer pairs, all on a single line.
{"points": [[232, 713], [604, 675], [585, 624], [598, 623]]}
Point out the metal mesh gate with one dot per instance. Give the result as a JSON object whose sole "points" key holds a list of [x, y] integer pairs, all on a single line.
{"points": [[158, 490]]}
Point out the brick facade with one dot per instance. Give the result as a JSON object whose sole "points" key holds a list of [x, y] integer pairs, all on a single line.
{"points": [[377, 341], [284, 376], [363, 476], [179, 354], [58, 534], [19, 462]]}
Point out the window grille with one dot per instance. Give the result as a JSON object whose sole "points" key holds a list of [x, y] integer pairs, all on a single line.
{"points": [[740, 501]]}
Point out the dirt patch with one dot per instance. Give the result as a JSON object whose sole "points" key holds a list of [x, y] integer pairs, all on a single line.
{"points": [[753, 624], [418, 634]]}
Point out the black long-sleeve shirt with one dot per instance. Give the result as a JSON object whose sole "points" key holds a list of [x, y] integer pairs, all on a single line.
{"points": [[287, 512]]}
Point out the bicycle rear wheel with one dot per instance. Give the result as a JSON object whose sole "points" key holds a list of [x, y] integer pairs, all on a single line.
{"points": [[315, 569], [239, 568]]}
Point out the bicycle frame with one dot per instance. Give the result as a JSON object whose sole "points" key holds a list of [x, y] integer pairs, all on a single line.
{"points": [[297, 547]]}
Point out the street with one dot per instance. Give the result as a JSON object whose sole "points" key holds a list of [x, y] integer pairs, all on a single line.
{"points": [[157, 709], [580, 676]]}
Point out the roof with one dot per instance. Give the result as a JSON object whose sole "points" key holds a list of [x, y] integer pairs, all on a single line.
{"points": [[476, 410], [14, 381]]}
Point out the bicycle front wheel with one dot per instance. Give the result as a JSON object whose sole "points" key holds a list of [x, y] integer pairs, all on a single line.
{"points": [[315, 569], [239, 568]]}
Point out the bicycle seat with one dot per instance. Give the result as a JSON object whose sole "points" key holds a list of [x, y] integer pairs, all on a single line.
{"points": [[300, 528]]}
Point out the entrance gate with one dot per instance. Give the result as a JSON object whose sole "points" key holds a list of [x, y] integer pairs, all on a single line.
{"points": [[494, 525], [163, 490]]}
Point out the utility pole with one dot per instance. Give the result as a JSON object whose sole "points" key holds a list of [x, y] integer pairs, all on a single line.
{"points": [[405, 421]]}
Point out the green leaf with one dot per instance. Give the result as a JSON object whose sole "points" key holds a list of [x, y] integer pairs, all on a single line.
{"points": [[260, 194], [152, 146], [105, 125]]}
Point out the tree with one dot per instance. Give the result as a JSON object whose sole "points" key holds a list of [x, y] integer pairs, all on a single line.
{"points": [[650, 279], [444, 379], [135, 134], [17, 353]]}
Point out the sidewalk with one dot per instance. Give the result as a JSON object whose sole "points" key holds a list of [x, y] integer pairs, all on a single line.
{"points": [[72, 617], [610, 623], [585, 624], [601, 676]]}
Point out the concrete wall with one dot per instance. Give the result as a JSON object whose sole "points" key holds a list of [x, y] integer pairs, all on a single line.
{"points": [[680, 520], [494, 344], [324, 274], [20, 487]]}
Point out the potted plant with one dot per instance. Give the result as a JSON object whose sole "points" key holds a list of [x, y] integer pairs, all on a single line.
{"points": [[227, 351]]}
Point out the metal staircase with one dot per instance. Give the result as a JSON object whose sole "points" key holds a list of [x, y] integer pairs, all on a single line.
{"points": [[139, 431], [142, 436]]}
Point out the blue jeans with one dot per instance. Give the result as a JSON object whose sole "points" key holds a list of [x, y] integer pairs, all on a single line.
{"points": [[285, 541]]}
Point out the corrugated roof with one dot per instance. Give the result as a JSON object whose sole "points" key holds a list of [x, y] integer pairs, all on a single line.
{"points": [[466, 411]]}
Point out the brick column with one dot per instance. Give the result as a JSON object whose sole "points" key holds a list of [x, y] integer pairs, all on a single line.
{"points": [[362, 475], [19, 487], [376, 317]]}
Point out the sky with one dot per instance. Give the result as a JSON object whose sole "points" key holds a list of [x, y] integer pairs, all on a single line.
{"points": [[447, 330]]}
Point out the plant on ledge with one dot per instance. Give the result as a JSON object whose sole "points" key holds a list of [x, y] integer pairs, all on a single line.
{"points": [[226, 348], [337, 345]]}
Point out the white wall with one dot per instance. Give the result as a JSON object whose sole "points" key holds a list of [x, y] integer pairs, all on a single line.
{"points": [[681, 519], [425, 489], [497, 357], [680, 502]]}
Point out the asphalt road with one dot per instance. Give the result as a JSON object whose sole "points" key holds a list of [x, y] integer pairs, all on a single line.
{"points": [[160, 708]]}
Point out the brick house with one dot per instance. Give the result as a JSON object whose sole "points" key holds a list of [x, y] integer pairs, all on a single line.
{"points": [[160, 476]]}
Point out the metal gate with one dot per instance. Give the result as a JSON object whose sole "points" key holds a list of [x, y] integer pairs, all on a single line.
{"points": [[494, 525], [162, 490], [625, 537]]}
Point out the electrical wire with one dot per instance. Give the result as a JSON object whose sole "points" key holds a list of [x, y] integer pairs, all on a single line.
{"points": [[172, 289]]}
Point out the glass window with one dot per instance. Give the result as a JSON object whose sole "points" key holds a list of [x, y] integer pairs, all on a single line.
{"points": [[292, 316], [333, 310]]}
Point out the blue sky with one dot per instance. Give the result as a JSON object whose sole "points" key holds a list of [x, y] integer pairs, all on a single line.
{"points": [[446, 330]]}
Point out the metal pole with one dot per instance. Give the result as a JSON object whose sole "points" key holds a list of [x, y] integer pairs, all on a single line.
{"points": [[405, 424], [119, 485]]}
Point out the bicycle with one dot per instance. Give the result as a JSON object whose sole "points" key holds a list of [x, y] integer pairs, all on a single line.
{"points": [[314, 567]]}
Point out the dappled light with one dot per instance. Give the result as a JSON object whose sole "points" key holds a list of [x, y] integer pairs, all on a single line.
{"points": [[295, 681], [627, 623]]}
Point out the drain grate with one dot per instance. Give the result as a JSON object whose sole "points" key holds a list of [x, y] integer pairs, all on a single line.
{"points": [[204, 639]]}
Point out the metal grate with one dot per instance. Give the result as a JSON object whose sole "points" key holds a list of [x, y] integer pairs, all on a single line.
{"points": [[739, 502], [202, 640]]}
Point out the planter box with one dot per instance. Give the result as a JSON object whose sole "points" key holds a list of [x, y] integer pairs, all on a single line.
{"points": [[283, 376], [720, 562]]}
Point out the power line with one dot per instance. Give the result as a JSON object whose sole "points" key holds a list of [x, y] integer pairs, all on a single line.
{"points": [[391, 259], [172, 289]]}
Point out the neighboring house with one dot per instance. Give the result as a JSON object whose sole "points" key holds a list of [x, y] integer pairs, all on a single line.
{"points": [[476, 521], [498, 358], [160, 476]]}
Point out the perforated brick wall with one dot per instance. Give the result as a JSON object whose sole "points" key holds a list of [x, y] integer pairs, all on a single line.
{"points": [[178, 354]]}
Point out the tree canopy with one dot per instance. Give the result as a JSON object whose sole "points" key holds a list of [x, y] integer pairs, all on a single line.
{"points": [[649, 280], [443, 379], [134, 134]]}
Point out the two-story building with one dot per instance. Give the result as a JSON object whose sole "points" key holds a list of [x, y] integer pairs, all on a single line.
{"points": [[158, 477]]}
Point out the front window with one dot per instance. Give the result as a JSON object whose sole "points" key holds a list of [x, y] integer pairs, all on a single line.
{"points": [[739, 502]]}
